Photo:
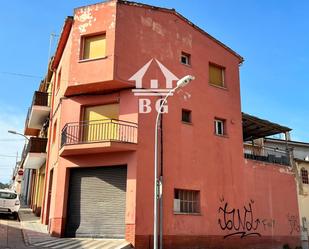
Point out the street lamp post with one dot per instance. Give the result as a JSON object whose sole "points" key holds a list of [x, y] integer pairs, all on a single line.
{"points": [[17, 133], [158, 182], [27, 140]]}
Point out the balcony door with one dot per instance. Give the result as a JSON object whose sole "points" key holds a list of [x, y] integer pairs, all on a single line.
{"points": [[101, 123]]}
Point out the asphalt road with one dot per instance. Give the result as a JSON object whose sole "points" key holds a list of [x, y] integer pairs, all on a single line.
{"points": [[10, 233]]}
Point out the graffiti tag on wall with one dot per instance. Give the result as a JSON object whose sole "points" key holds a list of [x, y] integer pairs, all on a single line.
{"points": [[268, 223], [241, 221], [294, 223]]}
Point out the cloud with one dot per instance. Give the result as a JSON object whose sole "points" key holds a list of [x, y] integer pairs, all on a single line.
{"points": [[10, 119]]}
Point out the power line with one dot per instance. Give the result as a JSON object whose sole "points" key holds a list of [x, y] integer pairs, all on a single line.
{"points": [[8, 156], [22, 75], [10, 140]]}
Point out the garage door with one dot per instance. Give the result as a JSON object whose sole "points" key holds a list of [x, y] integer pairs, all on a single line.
{"points": [[96, 204]]}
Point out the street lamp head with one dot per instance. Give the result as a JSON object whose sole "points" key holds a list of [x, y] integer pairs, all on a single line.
{"points": [[17, 133], [185, 80]]}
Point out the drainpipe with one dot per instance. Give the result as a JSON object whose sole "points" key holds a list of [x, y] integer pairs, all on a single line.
{"points": [[46, 183], [161, 179], [293, 164]]}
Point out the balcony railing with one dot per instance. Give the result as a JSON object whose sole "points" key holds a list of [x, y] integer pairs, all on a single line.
{"points": [[34, 153], [35, 145], [107, 130], [267, 154], [39, 99]]}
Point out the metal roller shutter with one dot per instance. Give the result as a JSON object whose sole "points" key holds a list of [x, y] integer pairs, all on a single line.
{"points": [[96, 204]]}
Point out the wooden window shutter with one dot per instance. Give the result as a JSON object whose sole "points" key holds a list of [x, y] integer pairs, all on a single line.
{"points": [[216, 75], [94, 47]]}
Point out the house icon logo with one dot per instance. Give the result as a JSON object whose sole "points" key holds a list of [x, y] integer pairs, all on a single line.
{"points": [[154, 83]]}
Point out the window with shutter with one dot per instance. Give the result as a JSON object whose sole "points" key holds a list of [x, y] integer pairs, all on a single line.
{"points": [[216, 75], [94, 47]]}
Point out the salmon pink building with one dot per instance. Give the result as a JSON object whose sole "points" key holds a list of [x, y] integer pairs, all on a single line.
{"points": [[99, 165]]}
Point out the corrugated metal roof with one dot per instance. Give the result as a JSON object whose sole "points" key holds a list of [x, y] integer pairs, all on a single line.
{"points": [[254, 127]]}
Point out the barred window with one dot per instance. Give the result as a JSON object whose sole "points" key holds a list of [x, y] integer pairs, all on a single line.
{"points": [[304, 176], [186, 201]]}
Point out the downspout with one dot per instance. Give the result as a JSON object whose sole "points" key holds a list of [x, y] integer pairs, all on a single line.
{"points": [[47, 154], [161, 179], [294, 167], [299, 183]]}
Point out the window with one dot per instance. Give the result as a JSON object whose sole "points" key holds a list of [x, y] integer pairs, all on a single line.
{"points": [[186, 116], [216, 75], [58, 80], [304, 176], [186, 201], [99, 128], [94, 47], [305, 224], [54, 132], [185, 58], [219, 127], [8, 196]]}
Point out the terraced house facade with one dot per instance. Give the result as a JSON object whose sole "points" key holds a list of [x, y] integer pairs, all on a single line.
{"points": [[94, 178], [34, 153]]}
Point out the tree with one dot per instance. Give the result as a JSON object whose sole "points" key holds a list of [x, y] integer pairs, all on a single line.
{"points": [[4, 185]]}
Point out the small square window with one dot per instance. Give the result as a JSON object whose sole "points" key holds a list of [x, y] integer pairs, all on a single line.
{"points": [[94, 47], [220, 127], [216, 75], [186, 116], [186, 201], [185, 58]]}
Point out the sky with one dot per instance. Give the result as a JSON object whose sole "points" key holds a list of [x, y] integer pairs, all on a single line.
{"points": [[272, 36]]}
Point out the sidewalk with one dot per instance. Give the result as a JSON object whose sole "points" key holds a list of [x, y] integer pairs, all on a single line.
{"points": [[36, 235], [33, 230]]}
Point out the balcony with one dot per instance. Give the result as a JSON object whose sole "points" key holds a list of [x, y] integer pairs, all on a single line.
{"points": [[266, 154], [35, 153], [89, 137], [37, 114]]}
